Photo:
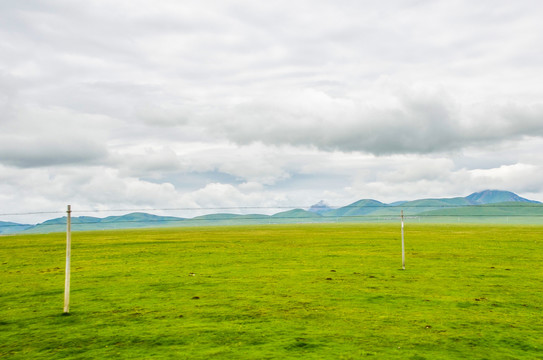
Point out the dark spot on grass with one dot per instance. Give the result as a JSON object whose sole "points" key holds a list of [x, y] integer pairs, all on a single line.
{"points": [[328, 278], [371, 277], [465, 304], [507, 269], [428, 327], [180, 316], [332, 271], [195, 297], [300, 344]]}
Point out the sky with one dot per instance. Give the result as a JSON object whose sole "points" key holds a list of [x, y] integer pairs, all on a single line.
{"points": [[256, 106]]}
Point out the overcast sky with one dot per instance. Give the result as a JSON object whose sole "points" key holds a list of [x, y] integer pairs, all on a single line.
{"points": [[141, 104]]}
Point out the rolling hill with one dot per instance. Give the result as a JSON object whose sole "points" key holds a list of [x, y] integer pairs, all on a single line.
{"points": [[7, 227], [83, 223], [495, 196], [492, 206], [359, 208], [505, 212]]}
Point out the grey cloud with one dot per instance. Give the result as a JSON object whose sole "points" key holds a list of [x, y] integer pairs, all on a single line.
{"points": [[35, 152], [8, 91], [495, 123], [151, 163], [211, 54], [308, 79], [213, 49], [523, 120], [417, 124], [37, 136]]}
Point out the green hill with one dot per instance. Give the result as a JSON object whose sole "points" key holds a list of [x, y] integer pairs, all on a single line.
{"points": [[507, 212], [89, 223], [423, 205], [139, 217], [7, 227], [295, 216], [491, 206], [358, 208], [216, 217], [495, 196]]}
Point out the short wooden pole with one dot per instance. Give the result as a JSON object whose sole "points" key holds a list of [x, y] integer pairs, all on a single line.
{"points": [[68, 259], [403, 246]]}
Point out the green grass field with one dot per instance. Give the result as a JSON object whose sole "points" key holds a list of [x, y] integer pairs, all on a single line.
{"points": [[276, 292]]}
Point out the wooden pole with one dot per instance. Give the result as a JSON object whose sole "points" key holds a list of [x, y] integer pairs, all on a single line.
{"points": [[68, 259], [403, 246]]}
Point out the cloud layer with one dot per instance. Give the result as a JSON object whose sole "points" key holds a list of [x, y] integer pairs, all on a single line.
{"points": [[414, 123], [237, 103]]}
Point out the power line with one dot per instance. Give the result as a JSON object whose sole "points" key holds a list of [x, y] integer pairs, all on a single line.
{"points": [[271, 219], [33, 213], [384, 206]]}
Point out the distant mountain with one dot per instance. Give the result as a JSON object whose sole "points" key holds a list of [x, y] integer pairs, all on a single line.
{"points": [[217, 217], [373, 210], [320, 207], [520, 212], [139, 217], [418, 206], [478, 198], [12, 228], [359, 208], [486, 206], [296, 214], [89, 223], [496, 196]]}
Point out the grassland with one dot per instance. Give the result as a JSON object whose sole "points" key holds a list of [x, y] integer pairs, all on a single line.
{"points": [[276, 292]]}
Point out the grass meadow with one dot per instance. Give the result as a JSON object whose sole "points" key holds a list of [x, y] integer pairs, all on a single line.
{"points": [[276, 292]]}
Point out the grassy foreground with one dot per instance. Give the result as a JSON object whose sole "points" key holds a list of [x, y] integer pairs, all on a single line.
{"points": [[276, 292]]}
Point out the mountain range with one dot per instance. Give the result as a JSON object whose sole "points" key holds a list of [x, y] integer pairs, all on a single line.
{"points": [[491, 206]]}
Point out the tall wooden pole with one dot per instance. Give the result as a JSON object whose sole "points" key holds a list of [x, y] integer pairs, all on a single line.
{"points": [[403, 247], [68, 259]]}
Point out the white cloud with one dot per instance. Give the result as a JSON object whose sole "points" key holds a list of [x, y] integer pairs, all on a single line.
{"points": [[414, 121], [209, 103], [524, 178], [37, 136]]}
